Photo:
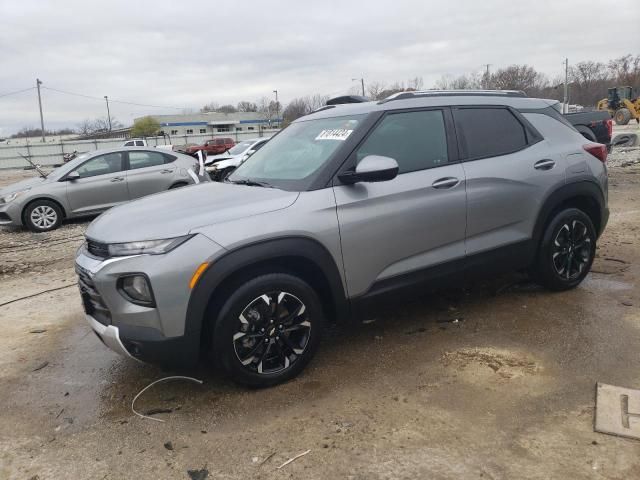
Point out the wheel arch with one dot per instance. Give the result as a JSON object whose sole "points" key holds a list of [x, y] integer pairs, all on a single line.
{"points": [[42, 197], [586, 132], [585, 195], [300, 256]]}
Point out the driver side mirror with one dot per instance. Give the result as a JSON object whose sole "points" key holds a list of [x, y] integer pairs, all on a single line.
{"points": [[372, 168], [71, 176]]}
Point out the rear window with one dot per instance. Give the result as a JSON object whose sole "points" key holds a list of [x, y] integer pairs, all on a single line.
{"points": [[490, 132]]}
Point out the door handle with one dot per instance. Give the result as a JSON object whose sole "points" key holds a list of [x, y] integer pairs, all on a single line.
{"points": [[545, 164], [117, 179], [166, 171], [447, 182]]}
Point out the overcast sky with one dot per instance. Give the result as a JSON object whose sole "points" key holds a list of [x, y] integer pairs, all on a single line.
{"points": [[185, 54]]}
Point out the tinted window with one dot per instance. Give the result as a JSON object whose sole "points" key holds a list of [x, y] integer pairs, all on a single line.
{"points": [[489, 132], [101, 165], [128, 144], [416, 140], [220, 141], [145, 159], [139, 143]]}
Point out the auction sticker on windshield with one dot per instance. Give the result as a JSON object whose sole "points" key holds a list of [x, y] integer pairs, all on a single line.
{"points": [[334, 134]]}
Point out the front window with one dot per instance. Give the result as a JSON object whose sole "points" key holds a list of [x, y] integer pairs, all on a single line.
{"points": [[239, 148], [101, 165], [295, 155]]}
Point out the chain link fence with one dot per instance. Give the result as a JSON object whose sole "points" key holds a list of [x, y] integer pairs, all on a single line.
{"points": [[52, 153]]}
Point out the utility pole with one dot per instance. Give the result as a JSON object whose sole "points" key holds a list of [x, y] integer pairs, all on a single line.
{"points": [[106, 98], [565, 105], [486, 74], [38, 83], [277, 105], [361, 83]]}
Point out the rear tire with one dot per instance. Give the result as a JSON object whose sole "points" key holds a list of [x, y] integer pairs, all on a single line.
{"points": [[42, 216], [268, 330], [566, 251], [622, 116]]}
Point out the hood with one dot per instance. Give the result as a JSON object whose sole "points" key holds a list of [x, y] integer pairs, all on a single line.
{"points": [[177, 212], [28, 183], [221, 156]]}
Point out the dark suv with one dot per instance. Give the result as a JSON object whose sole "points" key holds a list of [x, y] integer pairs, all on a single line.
{"points": [[347, 205]]}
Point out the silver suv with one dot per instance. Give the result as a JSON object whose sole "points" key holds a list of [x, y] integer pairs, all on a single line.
{"points": [[344, 207], [93, 182]]}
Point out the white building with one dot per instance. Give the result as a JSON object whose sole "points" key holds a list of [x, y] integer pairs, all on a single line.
{"points": [[215, 123]]}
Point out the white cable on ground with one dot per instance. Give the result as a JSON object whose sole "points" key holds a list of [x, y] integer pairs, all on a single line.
{"points": [[177, 377]]}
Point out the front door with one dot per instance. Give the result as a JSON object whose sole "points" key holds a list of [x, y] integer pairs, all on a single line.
{"points": [[149, 173], [403, 226], [101, 185]]}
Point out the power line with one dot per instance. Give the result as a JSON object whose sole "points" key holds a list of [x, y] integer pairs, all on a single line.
{"points": [[112, 100], [18, 91]]}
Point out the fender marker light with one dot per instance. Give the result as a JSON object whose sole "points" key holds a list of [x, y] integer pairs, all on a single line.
{"points": [[197, 274]]}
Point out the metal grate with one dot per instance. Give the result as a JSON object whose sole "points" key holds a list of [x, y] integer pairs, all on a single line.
{"points": [[91, 298], [97, 249]]}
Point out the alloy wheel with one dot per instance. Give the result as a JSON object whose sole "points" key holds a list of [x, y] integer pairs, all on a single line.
{"points": [[572, 249], [272, 332], [43, 216]]}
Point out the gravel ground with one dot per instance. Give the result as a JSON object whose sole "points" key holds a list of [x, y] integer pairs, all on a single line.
{"points": [[495, 381]]}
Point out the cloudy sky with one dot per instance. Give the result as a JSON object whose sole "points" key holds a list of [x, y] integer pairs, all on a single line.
{"points": [[185, 54]]}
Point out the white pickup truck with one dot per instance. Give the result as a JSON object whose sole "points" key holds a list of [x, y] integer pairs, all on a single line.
{"points": [[141, 142]]}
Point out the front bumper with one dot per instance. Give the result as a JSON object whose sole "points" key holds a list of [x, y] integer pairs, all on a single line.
{"points": [[153, 334], [10, 214], [110, 336]]}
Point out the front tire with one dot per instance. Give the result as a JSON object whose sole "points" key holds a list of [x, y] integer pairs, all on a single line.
{"points": [[567, 250], [268, 330], [42, 216], [622, 116]]}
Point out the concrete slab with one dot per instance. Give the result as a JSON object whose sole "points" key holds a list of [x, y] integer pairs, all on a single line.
{"points": [[617, 411]]}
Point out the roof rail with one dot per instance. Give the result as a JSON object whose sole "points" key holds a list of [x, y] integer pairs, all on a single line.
{"points": [[453, 93]]}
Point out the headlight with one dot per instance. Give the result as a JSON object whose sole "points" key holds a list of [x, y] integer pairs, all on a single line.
{"points": [[148, 247], [12, 196]]}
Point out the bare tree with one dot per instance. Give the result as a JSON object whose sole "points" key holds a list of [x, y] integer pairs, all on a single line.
{"points": [[374, 89], [462, 82], [245, 106], [269, 108], [210, 107], [85, 127], [299, 107], [588, 81], [519, 77], [415, 83], [626, 70], [226, 109]]}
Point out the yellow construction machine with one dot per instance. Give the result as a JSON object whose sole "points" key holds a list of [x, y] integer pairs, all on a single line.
{"points": [[621, 104]]}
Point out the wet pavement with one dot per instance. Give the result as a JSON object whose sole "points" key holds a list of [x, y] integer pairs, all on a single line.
{"points": [[495, 381]]}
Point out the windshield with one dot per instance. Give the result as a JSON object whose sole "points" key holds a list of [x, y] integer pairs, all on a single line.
{"points": [[241, 147], [293, 156]]}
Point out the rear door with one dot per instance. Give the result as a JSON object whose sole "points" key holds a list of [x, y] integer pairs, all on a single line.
{"points": [[149, 172], [393, 229], [510, 170], [101, 185]]}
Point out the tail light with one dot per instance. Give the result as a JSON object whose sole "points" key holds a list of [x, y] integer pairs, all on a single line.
{"points": [[609, 124], [598, 150]]}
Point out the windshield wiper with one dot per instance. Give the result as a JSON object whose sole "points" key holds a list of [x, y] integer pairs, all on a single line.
{"points": [[251, 183]]}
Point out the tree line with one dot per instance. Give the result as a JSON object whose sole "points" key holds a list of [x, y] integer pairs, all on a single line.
{"points": [[588, 83]]}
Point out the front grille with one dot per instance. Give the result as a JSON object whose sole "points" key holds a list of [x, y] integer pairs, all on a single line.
{"points": [[91, 298], [97, 249]]}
